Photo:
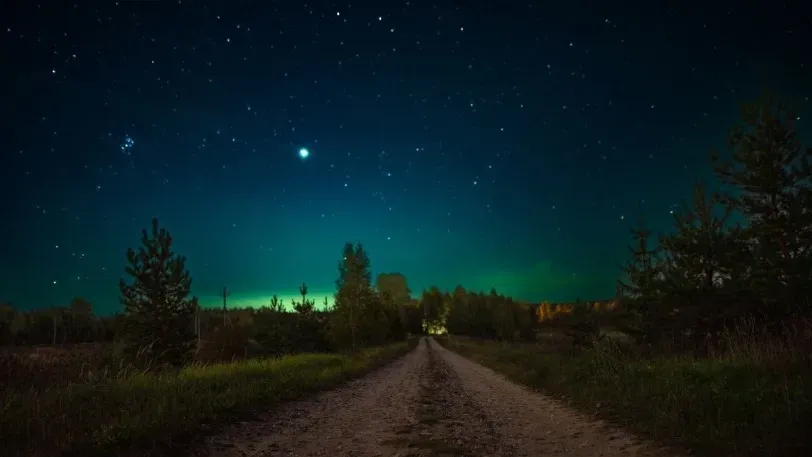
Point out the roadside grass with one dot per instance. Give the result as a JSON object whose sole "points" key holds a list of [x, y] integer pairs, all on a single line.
{"points": [[155, 413], [752, 398]]}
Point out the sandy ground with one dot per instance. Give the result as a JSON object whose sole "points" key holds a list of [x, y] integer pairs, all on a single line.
{"points": [[432, 402]]}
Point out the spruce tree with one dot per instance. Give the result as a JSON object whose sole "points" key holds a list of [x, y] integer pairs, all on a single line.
{"points": [[159, 312]]}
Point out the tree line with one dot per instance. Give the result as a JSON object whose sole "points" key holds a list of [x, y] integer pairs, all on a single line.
{"points": [[743, 251], [162, 323], [160, 316]]}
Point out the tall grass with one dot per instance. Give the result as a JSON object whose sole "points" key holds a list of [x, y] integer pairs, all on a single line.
{"points": [[751, 397], [141, 410]]}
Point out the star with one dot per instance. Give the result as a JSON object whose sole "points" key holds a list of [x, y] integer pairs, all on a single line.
{"points": [[304, 153]]}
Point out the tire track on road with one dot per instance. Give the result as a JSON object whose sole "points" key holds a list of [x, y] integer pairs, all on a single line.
{"points": [[449, 421]]}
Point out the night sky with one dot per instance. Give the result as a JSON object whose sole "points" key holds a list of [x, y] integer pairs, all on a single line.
{"points": [[504, 144]]}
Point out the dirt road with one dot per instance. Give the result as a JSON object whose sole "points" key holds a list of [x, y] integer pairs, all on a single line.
{"points": [[432, 402]]}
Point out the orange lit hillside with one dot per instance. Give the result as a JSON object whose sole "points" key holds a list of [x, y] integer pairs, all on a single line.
{"points": [[547, 311]]}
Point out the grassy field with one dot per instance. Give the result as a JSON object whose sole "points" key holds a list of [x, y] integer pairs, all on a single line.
{"points": [[752, 399], [101, 413]]}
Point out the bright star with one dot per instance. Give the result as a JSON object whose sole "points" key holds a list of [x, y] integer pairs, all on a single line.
{"points": [[304, 153]]}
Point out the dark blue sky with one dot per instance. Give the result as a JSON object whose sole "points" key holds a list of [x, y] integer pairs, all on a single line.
{"points": [[508, 146]]}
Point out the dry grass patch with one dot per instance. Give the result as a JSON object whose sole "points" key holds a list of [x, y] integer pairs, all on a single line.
{"points": [[752, 397], [141, 409]]}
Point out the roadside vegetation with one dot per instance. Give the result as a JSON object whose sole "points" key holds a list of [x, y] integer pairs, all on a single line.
{"points": [[144, 410], [708, 342], [752, 399], [165, 370]]}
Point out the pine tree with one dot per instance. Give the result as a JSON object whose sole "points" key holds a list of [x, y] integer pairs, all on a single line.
{"points": [[699, 269], [699, 247], [304, 307], [644, 278], [276, 305], [159, 312], [642, 269], [771, 178], [303, 291]]}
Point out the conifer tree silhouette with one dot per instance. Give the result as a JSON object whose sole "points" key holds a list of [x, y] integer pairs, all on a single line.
{"points": [[160, 314], [770, 174], [303, 291]]}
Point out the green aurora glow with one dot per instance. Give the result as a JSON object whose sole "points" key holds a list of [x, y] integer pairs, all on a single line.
{"points": [[260, 299]]}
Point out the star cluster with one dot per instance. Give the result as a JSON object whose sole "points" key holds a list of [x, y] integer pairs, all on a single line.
{"points": [[492, 144]]}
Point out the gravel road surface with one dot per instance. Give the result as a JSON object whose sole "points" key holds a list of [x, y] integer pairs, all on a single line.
{"points": [[431, 402]]}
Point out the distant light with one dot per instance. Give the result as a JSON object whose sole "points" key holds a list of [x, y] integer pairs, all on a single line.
{"points": [[304, 153]]}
